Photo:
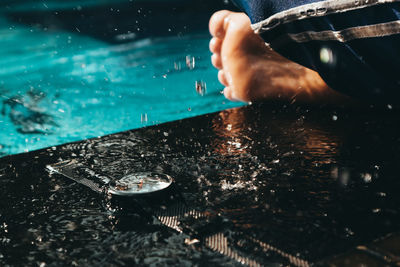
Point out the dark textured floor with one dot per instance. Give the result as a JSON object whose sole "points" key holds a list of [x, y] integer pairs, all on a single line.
{"points": [[262, 185]]}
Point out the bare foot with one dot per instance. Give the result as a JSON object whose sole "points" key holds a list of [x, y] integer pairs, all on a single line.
{"points": [[251, 71]]}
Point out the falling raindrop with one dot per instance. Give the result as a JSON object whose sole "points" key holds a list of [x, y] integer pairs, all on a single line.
{"points": [[367, 177], [326, 56], [201, 87], [190, 62], [177, 66], [377, 210], [143, 117], [381, 194]]}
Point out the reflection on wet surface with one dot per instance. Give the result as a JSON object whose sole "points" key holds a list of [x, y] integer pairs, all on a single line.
{"points": [[258, 184]]}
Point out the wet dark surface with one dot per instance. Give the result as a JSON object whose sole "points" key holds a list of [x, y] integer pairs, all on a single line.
{"points": [[313, 183]]}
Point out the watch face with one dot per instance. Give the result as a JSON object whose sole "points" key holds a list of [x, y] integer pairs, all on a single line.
{"points": [[140, 183]]}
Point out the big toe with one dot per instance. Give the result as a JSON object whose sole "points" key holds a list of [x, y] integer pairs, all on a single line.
{"points": [[216, 24], [238, 32]]}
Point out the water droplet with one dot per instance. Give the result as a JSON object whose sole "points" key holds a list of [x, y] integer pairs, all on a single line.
{"points": [[190, 62], [326, 55], [177, 66], [349, 231], [381, 194], [367, 177], [201, 87], [143, 117], [344, 177]]}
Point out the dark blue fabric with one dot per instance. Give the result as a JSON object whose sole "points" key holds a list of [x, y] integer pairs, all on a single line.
{"points": [[365, 68], [261, 9]]}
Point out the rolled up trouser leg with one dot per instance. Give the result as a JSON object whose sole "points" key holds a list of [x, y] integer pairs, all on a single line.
{"points": [[353, 44]]}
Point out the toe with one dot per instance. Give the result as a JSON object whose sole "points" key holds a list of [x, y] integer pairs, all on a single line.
{"points": [[215, 45], [237, 27], [216, 61], [222, 78], [216, 24], [228, 93]]}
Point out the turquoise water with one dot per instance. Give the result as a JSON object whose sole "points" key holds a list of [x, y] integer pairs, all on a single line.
{"points": [[58, 86]]}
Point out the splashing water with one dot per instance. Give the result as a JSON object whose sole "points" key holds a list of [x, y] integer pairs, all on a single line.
{"points": [[58, 87]]}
